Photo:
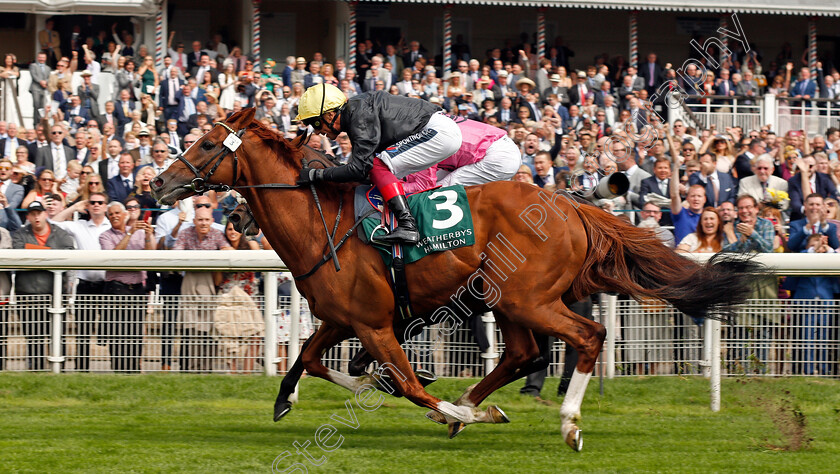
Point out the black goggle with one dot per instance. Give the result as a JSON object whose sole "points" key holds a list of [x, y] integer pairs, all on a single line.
{"points": [[314, 122]]}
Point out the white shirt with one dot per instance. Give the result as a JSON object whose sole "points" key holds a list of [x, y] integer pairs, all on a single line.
{"points": [[160, 169], [86, 234], [11, 146], [4, 185], [113, 167], [548, 178], [129, 178], [59, 160]]}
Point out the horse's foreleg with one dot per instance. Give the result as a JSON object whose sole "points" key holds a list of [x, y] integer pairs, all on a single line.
{"points": [[282, 405], [520, 351], [382, 344]]}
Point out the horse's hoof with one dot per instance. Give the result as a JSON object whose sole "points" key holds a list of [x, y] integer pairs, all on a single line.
{"points": [[281, 409], [575, 439], [437, 417], [456, 428], [425, 377], [497, 415]]}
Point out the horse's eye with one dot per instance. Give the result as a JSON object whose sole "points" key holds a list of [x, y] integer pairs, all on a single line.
{"points": [[208, 145]]}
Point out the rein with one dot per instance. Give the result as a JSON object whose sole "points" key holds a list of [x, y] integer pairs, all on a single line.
{"points": [[200, 184]]}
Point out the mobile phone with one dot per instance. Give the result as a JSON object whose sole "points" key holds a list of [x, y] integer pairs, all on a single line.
{"points": [[147, 216]]}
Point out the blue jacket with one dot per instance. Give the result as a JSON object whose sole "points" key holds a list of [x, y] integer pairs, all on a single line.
{"points": [[799, 235], [825, 188], [728, 190], [808, 288], [539, 181]]}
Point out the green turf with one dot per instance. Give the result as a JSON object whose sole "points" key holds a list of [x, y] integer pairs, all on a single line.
{"points": [[223, 424]]}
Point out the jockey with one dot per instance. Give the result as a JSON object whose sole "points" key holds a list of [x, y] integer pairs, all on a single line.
{"points": [[392, 137], [487, 154]]}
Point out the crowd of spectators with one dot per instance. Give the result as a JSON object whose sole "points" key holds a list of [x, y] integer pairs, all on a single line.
{"points": [[700, 189]]}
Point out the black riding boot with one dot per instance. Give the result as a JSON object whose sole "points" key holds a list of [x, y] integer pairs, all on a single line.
{"points": [[406, 230]]}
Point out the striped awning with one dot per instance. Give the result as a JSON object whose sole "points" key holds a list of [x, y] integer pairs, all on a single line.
{"points": [[80, 7], [772, 7]]}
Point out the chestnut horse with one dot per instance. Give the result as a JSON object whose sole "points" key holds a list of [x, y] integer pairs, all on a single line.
{"points": [[534, 253]]}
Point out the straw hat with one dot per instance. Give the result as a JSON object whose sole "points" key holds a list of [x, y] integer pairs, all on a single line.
{"points": [[524, 81]]}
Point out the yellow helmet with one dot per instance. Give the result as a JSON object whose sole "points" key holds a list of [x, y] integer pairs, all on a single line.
{"points": [[319, 99]]}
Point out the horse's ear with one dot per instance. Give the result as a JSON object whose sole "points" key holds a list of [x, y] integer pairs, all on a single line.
{"points": [[300, 140], [242, 118]]}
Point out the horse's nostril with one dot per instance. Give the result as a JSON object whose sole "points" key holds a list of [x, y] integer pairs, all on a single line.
{"points": [[235, 218], [157, 182]]}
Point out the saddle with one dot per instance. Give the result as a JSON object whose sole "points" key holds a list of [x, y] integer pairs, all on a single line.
{"points": [[443, 217]]}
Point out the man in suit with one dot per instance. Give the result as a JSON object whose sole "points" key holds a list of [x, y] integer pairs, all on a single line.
{"points": [[623, 157], [658, 183], [625, 92], [604, 91], [637, 81], [120, 186], [169, 88], [11, 195], [123, 109], [724, 86], [200, 67], [413, 54], [55, 156], [762, 180], [813, 222], [805, 88], [109, 166], [40, 141], [744, 161], [186, 109], [546, 173], [315, 77], [611, 113], [142, 154], [40, 73], [89, 95], [194, 57], [651, 74], [128, 80], [748, 86], [76, 115], [9, 144], [806, 182], [397, 63], [506, 114], [719, 186], [554, 88], [829, 88], [82, 146], [604, 129], [577, 93], [543, 75]]}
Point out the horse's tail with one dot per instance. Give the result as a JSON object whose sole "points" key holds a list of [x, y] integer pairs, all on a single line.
{"points": [[633, 261]]}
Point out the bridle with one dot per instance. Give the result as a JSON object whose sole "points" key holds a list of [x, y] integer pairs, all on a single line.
{"points": [[200, 184]]}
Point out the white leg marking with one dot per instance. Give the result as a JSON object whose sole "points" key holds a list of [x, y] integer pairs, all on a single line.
{"points": [[354, 384]]}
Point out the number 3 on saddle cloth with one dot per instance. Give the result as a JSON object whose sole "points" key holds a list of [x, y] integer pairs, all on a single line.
{"points": [[443, 218]]}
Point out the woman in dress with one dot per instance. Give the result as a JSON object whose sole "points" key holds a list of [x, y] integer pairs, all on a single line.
{"points": [[45, 184], [227, 81], [22, 157], [565, 80], [454, 89], [243, 336], [721, 146], [149, 76], [148, 111], [329, 75], [9, 70], [707, 238]]}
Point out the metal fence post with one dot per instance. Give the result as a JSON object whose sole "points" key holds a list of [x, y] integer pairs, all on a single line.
{"points": [[770, 110], [56, 313], [611, 303], [706, 363], [491, 354], [294, 334], [715, 369], [269, 311]]}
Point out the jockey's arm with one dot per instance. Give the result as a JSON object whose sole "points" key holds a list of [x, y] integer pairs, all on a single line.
{"points": [[364, 133]]}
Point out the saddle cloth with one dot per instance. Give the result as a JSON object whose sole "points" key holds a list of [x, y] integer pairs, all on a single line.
{"points": [[443, 218]]}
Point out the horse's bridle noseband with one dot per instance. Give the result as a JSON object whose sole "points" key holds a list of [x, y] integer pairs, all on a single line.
{"points": [[200, 184]]}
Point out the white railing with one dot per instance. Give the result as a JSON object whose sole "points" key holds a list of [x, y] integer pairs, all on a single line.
{"points": [[139, 333]]}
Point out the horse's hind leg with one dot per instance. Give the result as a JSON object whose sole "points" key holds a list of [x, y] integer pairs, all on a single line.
{"points": [[585, 336], [282, 405]]}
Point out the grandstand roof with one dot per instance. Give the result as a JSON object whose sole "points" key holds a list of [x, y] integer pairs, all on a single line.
{"points": [[774, 7], [80, 7]]}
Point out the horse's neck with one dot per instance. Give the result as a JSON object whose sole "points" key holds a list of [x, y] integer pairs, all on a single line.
{"points": [[289, 218]]}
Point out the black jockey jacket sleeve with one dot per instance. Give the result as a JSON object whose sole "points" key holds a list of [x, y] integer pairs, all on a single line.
{"points": [[374, 121]]}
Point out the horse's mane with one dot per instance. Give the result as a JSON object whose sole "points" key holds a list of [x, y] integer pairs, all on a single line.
{"points": [[291, 155], [282, 147]]}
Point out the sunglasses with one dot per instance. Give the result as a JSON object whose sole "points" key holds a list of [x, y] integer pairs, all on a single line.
{"points": [[91, 183], [83, 172], [199, 206], [56, 133], [46, 180], [688, 149], [97, 203], [5, 168], [133, 206], [160, 151]]}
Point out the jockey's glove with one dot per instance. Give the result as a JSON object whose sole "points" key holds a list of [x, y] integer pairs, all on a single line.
{"points": [[310, 175]]}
